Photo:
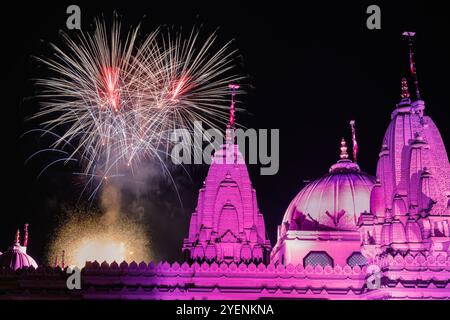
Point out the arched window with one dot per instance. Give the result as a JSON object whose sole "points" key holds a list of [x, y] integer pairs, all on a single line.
{"points": [[315, 258], [356, 259]]}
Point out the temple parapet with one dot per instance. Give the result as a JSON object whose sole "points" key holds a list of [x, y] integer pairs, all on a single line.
{"points": [[437, 262], [220, 269]]}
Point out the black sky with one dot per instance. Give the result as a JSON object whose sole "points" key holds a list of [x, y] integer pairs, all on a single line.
{"points": [[312, 68]]}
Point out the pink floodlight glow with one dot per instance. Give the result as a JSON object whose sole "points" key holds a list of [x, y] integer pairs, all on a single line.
{"points": [[345, 236]]}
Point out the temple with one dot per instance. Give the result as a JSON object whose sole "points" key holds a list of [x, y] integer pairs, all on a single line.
{"points": [[346, 235]]}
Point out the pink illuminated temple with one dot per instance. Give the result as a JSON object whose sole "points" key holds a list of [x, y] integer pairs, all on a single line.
{"points": [[346, 235]]}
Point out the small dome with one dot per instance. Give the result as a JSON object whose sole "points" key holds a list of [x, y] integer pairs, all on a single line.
{"points": [[332, 202], [16, 257]]}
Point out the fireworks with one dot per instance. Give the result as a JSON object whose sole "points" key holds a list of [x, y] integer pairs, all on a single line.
{"points": [[117, 100]]}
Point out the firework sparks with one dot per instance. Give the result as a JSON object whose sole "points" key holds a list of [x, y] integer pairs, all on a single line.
{"points": [[88, 237], [116, 100], [111, 89], [109, 235]]}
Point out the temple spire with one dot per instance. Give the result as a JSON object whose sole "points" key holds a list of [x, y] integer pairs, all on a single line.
{"points": [[231, 126], [344, 154], [355, 143], [409, 36]]}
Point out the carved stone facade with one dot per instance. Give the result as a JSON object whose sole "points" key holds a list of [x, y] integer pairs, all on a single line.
{"points": [[227, 225]]}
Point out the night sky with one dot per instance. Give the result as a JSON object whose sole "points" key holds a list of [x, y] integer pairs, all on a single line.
{"points": [[311, 68]]}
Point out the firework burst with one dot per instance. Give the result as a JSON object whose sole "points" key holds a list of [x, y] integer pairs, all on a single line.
{"points": [[116, 99]]}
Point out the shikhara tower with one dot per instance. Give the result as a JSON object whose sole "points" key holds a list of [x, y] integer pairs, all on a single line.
{"points": [[410, 202], [227, 224]]}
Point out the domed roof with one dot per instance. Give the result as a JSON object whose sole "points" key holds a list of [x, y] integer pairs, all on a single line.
{"points": [[332, 202], [16, 256]]}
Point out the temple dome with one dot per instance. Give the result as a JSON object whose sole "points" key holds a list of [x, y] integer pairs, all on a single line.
{"points": [[332, 202]]}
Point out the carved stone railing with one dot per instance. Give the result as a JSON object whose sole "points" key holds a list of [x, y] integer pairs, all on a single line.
{"points": [[166, 280], [415, 268], [166, 269], [419, 262]]}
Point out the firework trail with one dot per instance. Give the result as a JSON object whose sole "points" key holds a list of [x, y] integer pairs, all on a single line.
{"points": [[117, 98]]}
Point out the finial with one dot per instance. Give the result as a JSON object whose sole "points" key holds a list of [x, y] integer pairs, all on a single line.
{"points": [[25, 237], [355, 143], [230, 126], [17, 239], [409, 36], [405, 89], [344, 154]]}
